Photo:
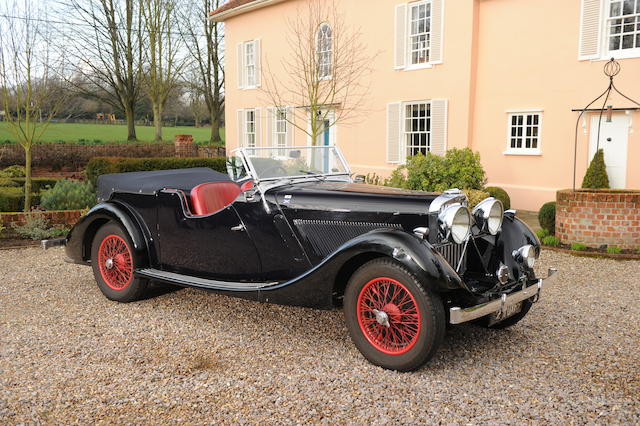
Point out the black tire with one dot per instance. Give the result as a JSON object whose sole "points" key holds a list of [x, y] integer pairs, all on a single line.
{"points": [[526, 305], [374, 339], [115, 279]]}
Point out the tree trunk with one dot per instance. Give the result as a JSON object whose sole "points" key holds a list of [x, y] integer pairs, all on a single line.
{"points": [[27, 179], [215, 128], [131, 123], [157, 122]]}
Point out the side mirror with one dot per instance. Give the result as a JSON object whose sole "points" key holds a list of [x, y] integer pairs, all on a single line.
{"points": [[359, 179]]}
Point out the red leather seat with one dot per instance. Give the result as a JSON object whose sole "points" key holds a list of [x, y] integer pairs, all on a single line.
{"points": [[208, 198]]}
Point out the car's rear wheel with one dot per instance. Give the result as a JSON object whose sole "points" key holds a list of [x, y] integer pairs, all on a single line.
{"points": [[113, 262], [392, 318]]}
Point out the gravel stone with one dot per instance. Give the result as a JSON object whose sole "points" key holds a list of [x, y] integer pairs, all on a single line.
{"points": [[69, 355]]}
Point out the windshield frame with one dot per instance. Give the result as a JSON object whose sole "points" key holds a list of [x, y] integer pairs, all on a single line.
{"points": [[244, 154]]}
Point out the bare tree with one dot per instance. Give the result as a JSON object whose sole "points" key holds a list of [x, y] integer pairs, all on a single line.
{"points": [[204, 42], [164, 62], [31, 96], [324, 72], [106, 50]]}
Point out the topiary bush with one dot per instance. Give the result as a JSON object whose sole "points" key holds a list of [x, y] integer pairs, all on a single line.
{"points": [[596, 176], [458, 168], [13, 172], [104, 165], [499, 194], [547, 217], [68, 195]]}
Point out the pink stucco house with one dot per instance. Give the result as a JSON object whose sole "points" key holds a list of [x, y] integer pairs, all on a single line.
{"points": [[501, 77]]}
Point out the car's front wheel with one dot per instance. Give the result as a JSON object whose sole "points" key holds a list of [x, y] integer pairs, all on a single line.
{"points": [[113, 262], [392, 318]]}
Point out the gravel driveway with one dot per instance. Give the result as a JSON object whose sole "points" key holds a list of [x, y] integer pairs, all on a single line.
{"points": [[70, 355]]}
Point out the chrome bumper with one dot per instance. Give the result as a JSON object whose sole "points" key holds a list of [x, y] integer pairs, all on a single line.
{"points": [[459, 315]]}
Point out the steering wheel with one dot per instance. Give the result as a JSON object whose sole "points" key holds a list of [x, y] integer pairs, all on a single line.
{"points": [[277, 170]]}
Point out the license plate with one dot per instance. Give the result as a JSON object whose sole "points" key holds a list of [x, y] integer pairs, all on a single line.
{"points": [[509, 311]]}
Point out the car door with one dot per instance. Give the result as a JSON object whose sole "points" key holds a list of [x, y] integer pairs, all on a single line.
{"points": [[215, 246]]}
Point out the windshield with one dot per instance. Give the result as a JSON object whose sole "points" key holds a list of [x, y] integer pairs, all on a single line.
{"points": [[287, 162]]}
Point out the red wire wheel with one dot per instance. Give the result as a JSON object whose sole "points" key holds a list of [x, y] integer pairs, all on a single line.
{"points": [[115, 262], [388, 316]]}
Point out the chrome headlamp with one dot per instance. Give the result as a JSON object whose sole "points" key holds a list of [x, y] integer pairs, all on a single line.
{"points": [[455, 223], [488, 214], [527, 255]]}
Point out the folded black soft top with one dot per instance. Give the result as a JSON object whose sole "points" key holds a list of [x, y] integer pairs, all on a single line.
{"points": [[153, 181]]}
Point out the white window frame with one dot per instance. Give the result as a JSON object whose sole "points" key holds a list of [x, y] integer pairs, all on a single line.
{"points": [[323, 54], [250, 137], [406, 146], [250, 66], [523, 150], [409, 47], [279, 136], [606, 28]]}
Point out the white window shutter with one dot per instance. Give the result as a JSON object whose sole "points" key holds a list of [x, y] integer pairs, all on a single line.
{"points": [[290, 127], [240, 51], [271, 140], [437, 31], [400, 52], [241, 127], [394, 145], [258, 117], [590, 25], [439, 112]]}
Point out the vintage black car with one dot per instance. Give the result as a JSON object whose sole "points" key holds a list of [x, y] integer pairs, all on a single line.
{"points": [[289, 225]]}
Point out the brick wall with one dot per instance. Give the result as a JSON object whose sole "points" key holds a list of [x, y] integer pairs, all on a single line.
{"points": [[599, 217]]}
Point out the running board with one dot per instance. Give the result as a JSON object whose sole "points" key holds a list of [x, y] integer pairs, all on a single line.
{"points": [[190, 281]]}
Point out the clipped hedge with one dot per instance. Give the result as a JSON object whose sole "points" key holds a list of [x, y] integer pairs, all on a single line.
{"points": [[104, 165], [37, 183], [12, 199]]}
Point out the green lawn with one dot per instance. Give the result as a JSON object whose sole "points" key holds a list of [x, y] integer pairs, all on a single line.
{"points": [[108, 133]]}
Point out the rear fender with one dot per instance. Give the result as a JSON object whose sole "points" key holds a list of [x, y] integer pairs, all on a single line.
{"points": [[80, 238]]}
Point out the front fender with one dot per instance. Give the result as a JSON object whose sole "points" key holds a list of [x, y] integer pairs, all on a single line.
{"points": [[79, 239], [316, 286], [515, 234]]}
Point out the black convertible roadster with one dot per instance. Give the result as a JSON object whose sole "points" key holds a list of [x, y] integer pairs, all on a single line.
{"points": [[290, 226]]}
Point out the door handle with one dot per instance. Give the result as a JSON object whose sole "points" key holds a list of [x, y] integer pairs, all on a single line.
{"points": [[238, 228]]}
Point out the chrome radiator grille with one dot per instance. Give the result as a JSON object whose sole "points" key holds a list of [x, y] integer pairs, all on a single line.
{"points": [[452, 254]]}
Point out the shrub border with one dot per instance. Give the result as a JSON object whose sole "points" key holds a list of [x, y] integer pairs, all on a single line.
{"points": [[55, 217]]}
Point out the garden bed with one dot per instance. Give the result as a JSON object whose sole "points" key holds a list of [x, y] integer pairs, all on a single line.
{"points": [[595, 252]]}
